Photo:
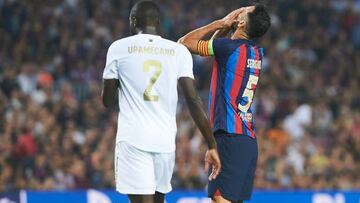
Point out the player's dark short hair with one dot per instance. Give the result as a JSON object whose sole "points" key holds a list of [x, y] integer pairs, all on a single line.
{"points": [[145, 13], [258, 22]]}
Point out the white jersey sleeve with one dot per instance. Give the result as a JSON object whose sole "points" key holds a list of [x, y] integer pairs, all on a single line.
{"points": [[185, 63], [112, 57]]}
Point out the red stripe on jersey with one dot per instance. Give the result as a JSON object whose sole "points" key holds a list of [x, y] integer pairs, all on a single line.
{"points": [[238, 79], [256, 70], [213, 90], [257, 57]]}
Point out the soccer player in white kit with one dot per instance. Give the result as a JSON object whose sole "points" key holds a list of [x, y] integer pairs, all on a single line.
{"points": [[141, 75]]}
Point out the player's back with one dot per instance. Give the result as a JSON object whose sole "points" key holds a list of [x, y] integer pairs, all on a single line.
{"points": [[236, 73], [148, 68]]}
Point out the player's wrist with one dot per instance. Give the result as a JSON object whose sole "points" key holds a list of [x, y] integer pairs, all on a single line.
{"points": [[212, 145], [220, 24]]}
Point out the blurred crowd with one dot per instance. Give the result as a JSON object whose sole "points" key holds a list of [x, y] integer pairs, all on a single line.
{"points": [[56, 134]]}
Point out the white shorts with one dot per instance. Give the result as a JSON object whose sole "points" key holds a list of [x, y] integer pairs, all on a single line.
{"points": [[141, 172]]}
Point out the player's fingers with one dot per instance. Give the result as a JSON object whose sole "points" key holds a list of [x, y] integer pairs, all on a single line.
{"points": [[234, 14], [217, 161], [217, 167], [214, 173], [211, 176], [231, 13], [217, 172], [237, 12]]}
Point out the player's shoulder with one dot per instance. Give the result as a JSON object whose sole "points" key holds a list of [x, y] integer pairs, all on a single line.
{"points": [[222, 44], [256, 47], [223, 40], [179, 48], [226, 43], [119, 43]]}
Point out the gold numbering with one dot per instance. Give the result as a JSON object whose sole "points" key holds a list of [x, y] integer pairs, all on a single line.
{"points": [[157, 65]]}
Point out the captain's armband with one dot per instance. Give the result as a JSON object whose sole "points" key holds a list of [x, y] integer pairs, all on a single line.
{"points": [[205, 48]]}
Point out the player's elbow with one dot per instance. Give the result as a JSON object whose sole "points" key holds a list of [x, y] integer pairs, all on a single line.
{"points": [[189, 43], [184, 41], [181, 41], [193, 103]]}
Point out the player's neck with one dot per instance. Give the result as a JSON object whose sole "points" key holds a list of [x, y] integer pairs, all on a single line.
{"points": [[240, 34], [148, 30]]}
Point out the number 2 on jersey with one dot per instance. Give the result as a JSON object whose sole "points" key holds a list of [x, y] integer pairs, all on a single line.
{"points": [[157, 65]]}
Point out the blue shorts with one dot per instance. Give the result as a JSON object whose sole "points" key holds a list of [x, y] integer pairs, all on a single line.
{"points": [[238, 155]]}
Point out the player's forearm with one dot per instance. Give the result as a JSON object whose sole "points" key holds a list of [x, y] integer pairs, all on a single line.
{"points": [[201, 32], [221, 33], [197, 112], [191, 39], [199, 115]]}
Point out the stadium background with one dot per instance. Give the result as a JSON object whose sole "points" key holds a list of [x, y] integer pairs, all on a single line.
{"points": [[55, 133]]}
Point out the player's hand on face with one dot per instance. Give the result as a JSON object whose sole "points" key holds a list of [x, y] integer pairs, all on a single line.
{"points": [[231, 18], [212, 158]]}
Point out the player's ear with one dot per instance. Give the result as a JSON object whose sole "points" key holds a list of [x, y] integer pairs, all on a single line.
{"points": [[241, 24], [132, 20]]}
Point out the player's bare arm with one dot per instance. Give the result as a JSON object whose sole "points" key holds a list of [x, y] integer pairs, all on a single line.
{"points": [[219, 28], [221, 33], [197, 112], [196, 109], [224, 32], [110, 92]]}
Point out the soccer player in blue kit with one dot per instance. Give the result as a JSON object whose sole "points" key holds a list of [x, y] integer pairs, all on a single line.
{"points": [[236, 71]]}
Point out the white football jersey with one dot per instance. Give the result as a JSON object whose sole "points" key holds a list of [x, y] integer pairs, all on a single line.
{"points": [[148, 68]]}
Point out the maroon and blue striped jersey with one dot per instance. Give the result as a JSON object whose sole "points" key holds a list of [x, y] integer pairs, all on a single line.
{"points": [[236, 71]]}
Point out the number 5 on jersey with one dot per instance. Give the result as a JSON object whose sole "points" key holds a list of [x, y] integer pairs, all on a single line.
{"points": [[248, 93], [157, 66]]}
